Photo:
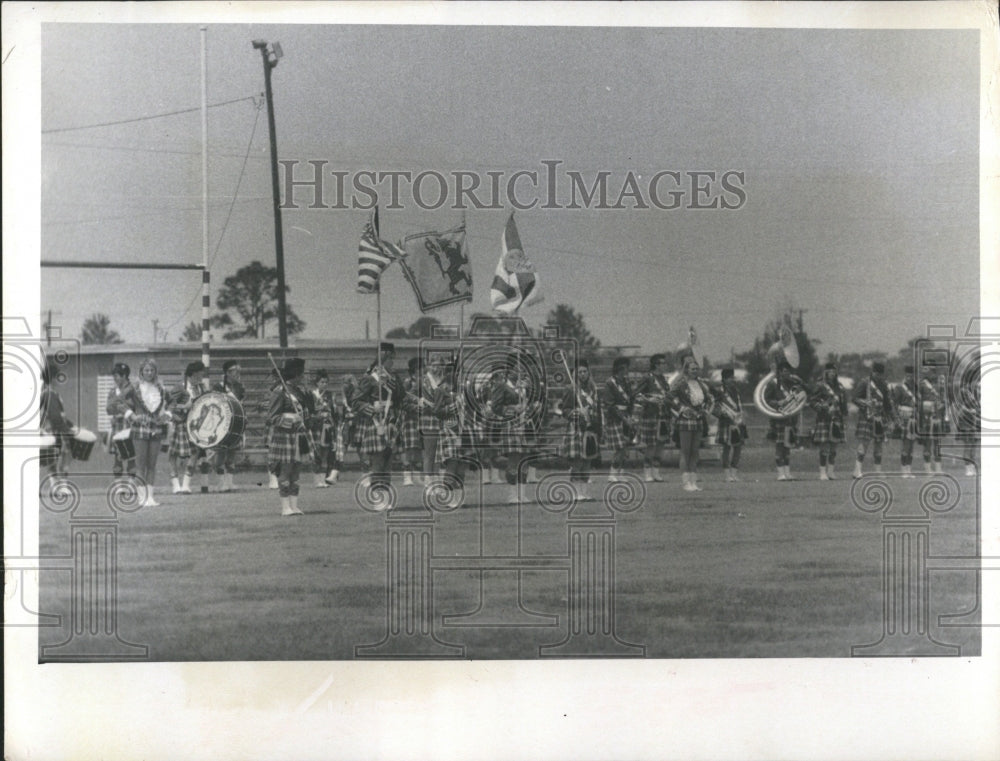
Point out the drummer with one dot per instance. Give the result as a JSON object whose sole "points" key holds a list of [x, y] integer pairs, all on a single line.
{"points": [[55, 423], [120, 400], [184, 456], [225, 456]]}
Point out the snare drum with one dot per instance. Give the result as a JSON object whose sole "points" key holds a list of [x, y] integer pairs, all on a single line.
{"points": [[215, 420], [123, 445], [82, 444]]}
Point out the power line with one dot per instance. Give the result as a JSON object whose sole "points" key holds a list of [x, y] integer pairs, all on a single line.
{"points": [[146, 118]]}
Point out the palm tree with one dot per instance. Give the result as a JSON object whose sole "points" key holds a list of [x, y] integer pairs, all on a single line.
{"points": [[97, 330]]}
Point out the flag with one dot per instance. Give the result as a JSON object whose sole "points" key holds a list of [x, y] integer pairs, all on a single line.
{"points": [[515, 283], [437, 266], [373, 256]]}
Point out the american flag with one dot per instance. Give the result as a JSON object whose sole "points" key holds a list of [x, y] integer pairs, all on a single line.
{"points": [[373, 256]]}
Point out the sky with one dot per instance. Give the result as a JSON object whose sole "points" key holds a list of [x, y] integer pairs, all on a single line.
{"points": [[858, 151]]}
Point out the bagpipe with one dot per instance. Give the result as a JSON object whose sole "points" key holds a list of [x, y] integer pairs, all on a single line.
{"points": [[299, 410], [826, 401], [590, 444]]}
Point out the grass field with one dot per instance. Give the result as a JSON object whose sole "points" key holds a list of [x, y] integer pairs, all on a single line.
{"points": [[756, 569]]}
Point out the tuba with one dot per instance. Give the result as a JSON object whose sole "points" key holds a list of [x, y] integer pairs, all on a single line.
{"points": [[784, 346]]}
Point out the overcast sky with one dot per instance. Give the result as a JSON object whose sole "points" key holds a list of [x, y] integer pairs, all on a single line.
{"points": [[859, 153]]}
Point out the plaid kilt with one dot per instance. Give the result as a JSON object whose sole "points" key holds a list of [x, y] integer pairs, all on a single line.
{"points": [[865, 430], [286, 447], [649, 430], [614, 435], [778, 426], [449, 445], [722, 432], [509, 438], [145, 427], [821, 433], [369, 439], [180, 444], [572, 442], [409, 432], [688, 423], [427, 421]]}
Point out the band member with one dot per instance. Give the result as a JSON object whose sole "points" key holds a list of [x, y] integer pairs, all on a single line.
{"points": [[692, 400], [290, 414], [969, 423], [184, 456], [410, 443], [931, 424], [148, 422], [508, 400], [618, 427], [904, 401], [489, 431], [580, 446], [874, 414], [377, 403], [732, 431], [345, 428], [829, 400], [783, 430], [274, 383], [121, 399], [448, 408], [54, 423], [322, 426], [653, 398], [225, 456], [428, 423], [533, 420]]}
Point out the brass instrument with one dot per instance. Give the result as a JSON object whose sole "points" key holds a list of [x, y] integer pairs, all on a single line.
{"points": [[796, 400]]}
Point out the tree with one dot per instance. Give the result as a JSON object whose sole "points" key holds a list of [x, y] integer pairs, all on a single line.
{"points": [[192, 332], [97, 330], [757, 362], [420, 328], [571, 325], [252, 294]]}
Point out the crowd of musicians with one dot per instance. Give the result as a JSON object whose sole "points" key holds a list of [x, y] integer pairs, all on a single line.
{"points": [[499, 423]]}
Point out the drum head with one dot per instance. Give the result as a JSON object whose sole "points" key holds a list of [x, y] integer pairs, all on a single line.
{"points": [[215, 420]]}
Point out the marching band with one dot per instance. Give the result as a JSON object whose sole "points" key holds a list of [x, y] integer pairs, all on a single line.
{"points": [[440, 421]]}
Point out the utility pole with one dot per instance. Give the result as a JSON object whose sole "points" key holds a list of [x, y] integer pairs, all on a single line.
{"points": [[156, 332], [270, 55]]}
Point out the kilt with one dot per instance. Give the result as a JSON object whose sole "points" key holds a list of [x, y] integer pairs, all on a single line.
{"points": [[780, 425], [427, 421], [409, 432], [370, 441], [614, 435], [146, 427], [180, 444], [509, 439], [821, 433], [573, 443], [865, 430], [286, 447], [649, 430], [688, 424], [449, 445], [722, 432]]}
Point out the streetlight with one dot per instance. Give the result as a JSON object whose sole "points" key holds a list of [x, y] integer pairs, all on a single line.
{"points": [[270, 53]]}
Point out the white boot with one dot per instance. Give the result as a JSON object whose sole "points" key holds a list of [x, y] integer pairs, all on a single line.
{"points": [[582, 495], [907, 471], [333, 477], [694, 482], [319, 482], [286, 506], [928, 467], [829, 472], [788, 473], [822, 473], [229, 486], [781, 473], [272, 481], [970, 469], [736, 475], [532, 474], [512, 496], [407, 478], [175, 485], [294, 502], [730, 475], [186, 484], [140, 493], [612, 474], [656, 473], [647, 474], [486, 474], [497, 475], [150, 499], [857, 469], [878, 468], [937, 467]]}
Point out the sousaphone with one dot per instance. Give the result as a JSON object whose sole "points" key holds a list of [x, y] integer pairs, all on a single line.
{"points": [[785, 347]]}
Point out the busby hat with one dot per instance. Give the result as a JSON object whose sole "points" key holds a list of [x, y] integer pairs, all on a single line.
{"points": [[728, 373], [293, 368], [229, 364], [621, 363], [387, 348], [194, 367], [908, 369], [655, 359], [414, 364], [122, 369], [830, 366], [878, 367]]}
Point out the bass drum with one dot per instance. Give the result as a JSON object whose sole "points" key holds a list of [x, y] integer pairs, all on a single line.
{"points": [[215, 420]]}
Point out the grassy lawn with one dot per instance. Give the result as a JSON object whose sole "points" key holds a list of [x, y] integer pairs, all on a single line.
{"points": [[756, 569]]}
